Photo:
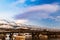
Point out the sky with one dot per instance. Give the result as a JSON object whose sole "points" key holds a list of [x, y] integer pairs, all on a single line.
{"points": [[45, 13]]}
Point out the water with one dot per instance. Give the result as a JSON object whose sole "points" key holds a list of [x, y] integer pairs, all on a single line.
{"points": [[54, 39], [7, 38], [48, 39], [42, 39]]}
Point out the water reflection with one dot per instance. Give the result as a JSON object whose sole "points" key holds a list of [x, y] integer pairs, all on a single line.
{"points": [[54, 39], [48, 39]]}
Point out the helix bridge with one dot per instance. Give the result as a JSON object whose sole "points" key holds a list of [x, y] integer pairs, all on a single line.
{"points": [[8, 27]]}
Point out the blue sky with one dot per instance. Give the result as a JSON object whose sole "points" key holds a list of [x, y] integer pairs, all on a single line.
{"points": [[45, 13]]}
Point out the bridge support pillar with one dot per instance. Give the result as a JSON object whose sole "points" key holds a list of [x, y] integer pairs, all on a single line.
{"points": [[4, 36], [35, 36], [48, 36], [11, 36]]}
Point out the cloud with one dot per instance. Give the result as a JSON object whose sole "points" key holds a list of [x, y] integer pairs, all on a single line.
{"points": [[41, 14], [44, 7], [21, 1], [18, 1], [22, 21], [40, 11], [33, 0], [57, 18]]}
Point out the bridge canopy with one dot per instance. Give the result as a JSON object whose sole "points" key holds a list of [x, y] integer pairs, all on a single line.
{"points": [[12, 25]]}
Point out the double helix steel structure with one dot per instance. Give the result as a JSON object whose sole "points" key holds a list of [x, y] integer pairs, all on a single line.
{"points": [[12, 27]]}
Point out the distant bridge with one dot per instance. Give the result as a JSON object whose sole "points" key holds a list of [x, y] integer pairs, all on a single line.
{"points": [[14, 28], [32, 31]]}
